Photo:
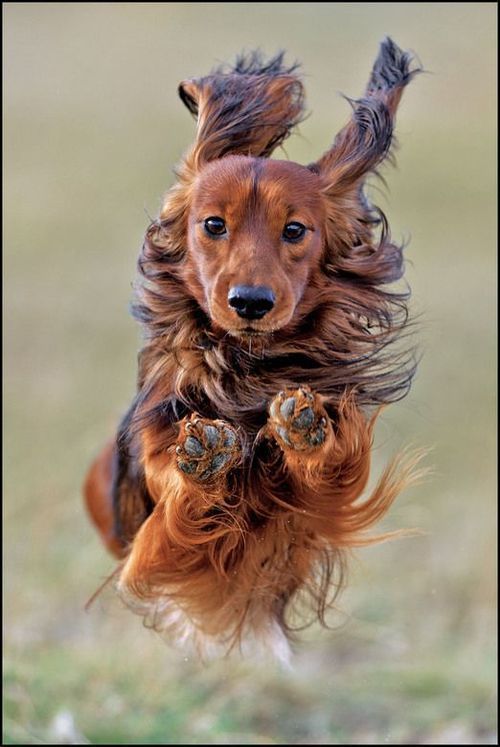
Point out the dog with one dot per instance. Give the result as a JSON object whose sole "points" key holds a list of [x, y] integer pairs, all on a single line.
{"points": [[233, 490]]}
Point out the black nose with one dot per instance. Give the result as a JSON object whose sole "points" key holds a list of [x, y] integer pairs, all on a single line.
{"points": [[251, 301]]}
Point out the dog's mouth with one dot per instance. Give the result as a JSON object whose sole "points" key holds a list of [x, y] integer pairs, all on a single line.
{"points": [[250, 332]]}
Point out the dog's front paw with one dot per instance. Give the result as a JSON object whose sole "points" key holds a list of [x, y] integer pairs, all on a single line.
{"points": [[297, 419], [206, 449]]}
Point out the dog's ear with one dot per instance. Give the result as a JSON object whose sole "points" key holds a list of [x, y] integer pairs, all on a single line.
{"points": [[366, 140], [249, 109]]}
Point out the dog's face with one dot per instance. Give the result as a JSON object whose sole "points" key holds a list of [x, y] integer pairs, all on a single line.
{"points": [[255, 236]]}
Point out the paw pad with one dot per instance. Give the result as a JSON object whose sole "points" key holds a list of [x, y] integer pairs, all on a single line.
{"points": [[206, 448], [298, 419]]}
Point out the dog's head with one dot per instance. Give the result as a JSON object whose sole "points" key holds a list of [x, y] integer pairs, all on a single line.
{"points": [[255, 236], [255, 241]]}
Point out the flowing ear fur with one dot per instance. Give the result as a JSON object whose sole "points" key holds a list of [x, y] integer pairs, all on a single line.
{"points": [[249, 109], [360, 259], [366, 140], [354, 250]]}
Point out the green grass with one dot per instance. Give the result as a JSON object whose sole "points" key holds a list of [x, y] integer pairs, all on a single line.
{"points": [[93, 128], [170, 700]]}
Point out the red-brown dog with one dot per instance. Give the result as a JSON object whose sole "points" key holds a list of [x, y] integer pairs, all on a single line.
{"points": [[232, 490]]}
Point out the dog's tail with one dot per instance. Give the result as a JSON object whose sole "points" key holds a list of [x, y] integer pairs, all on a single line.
{"points": [[248, 109]]}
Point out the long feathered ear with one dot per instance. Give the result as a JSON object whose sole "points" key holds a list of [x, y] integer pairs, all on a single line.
{"points": [[366, 140], [249, 109]]}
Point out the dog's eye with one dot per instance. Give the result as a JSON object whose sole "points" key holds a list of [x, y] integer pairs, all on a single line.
{"points": [[215, 226], [293, 231]]}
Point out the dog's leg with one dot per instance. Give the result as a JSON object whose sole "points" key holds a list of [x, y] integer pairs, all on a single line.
{"points": [[186, 477], [328, 463], [175, 573], [324, 459]]}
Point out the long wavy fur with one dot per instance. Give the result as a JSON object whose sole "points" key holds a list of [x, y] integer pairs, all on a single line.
{"points": [[221, 567]]}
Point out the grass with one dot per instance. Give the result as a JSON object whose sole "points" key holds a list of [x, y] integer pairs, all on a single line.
{"points": [[92, 130], [170, 700], [256, 706]]}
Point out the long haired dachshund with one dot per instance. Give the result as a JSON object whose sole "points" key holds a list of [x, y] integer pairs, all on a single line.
{"points": [[232, 491]]}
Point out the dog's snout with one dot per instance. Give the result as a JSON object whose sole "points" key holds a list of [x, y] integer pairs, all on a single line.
{"points": [[251, 301]]}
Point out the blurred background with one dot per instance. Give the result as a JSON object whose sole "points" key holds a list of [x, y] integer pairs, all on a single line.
{"points": [[93, 128]]}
